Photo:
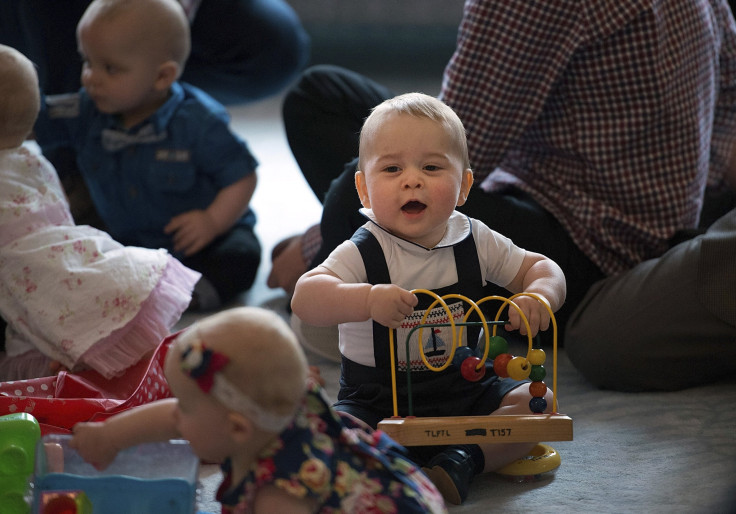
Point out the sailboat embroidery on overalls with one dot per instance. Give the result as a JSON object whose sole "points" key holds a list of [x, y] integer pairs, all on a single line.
{"points": [[436, 341]]}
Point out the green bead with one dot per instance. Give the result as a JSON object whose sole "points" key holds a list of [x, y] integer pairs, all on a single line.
{"points": [[497, 345], [537, 373]]}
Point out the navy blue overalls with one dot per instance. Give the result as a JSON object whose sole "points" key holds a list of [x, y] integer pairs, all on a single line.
{"points": [[365, 392]]}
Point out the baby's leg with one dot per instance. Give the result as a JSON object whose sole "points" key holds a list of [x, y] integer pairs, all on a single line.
{"points": [[514, 402], [453, 468]]}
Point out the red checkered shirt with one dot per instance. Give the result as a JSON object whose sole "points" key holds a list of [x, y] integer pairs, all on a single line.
{"points": [[613, 115]]}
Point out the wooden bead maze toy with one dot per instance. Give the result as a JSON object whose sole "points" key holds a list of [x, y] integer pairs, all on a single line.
{"points": [[410, 430]]}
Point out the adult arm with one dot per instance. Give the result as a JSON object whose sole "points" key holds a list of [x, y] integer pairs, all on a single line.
{"points": [[723, 150], [524, 47]]}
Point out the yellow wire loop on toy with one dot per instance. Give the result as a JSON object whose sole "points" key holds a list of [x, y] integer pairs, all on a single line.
{"points": [[456, 337]]}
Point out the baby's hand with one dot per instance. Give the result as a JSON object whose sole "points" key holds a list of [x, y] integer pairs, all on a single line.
{"points": [[535, 313], [315, 374], [192, 231], [389, 304], [93, 443]]}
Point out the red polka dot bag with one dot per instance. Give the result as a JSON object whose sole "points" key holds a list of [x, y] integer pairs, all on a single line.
{"points": [[59, 402]]}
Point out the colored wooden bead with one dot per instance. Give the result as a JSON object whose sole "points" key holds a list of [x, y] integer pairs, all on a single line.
{"points": [[469, 369], [537, 405], [537, 356], [538, 389], [519, 368], [64, 502], [461, 353], [500, 364], [537, 373], [496, 346]]}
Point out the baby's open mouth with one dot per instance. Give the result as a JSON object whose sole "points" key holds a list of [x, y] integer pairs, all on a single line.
{"points": [[413, 207]]}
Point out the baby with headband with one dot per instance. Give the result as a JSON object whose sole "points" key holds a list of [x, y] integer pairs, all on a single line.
{"points": [[243, 399]]}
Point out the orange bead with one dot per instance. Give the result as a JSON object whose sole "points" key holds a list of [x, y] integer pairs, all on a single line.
{"points": [[538, 389], [500, 364]]}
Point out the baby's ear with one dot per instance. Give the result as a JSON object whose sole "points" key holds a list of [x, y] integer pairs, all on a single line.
{"points": [[241, 428], [465, 186], [362, 189], [168, 72]]}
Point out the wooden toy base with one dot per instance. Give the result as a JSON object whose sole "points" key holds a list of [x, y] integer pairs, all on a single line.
{"points": [[412, 431]]}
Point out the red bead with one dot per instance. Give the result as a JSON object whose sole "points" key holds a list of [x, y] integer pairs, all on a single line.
{"points": [[538, 389], [500, 364], [469, 369]]}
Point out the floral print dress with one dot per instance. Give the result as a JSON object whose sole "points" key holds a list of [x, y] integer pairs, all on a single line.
{"points": [[71, 293], [337, 461]]}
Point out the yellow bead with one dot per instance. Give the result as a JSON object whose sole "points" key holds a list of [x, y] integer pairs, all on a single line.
{"points": [[536, 356], [519, 368]]}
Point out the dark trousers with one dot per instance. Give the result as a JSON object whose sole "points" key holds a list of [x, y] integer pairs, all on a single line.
{"points": [[242, 50], [323, 114], [230, 262]]}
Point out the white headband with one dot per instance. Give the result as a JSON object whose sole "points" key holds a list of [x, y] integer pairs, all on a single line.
{"points": [[204, 365]]}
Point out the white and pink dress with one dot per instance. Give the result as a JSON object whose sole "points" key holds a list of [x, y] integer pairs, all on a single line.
{"points": [[70, 293]]}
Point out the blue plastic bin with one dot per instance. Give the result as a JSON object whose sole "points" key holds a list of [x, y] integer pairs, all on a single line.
{"points": [[160, 478]]}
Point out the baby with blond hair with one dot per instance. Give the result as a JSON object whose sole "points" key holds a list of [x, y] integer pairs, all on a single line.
{"points": [[413, 172], [243, 399], [161, 163]]}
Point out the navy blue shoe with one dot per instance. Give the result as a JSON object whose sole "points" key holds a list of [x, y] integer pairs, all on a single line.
{"points": [[451, 471]]}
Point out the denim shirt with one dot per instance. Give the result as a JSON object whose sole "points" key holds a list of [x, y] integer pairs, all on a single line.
{"points": [[175, 161]]}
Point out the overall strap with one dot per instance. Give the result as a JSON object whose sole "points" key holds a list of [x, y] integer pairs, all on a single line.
{"points": [[377, 273], [372, 254], [469, 277]]}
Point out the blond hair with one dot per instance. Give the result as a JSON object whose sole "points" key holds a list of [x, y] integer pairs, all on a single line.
{"points": [[266, 362], [418, 105], [19, 95], [160, 23]]}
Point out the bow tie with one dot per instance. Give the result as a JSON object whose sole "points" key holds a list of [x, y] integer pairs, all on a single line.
{"points": [[114, 140]]}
